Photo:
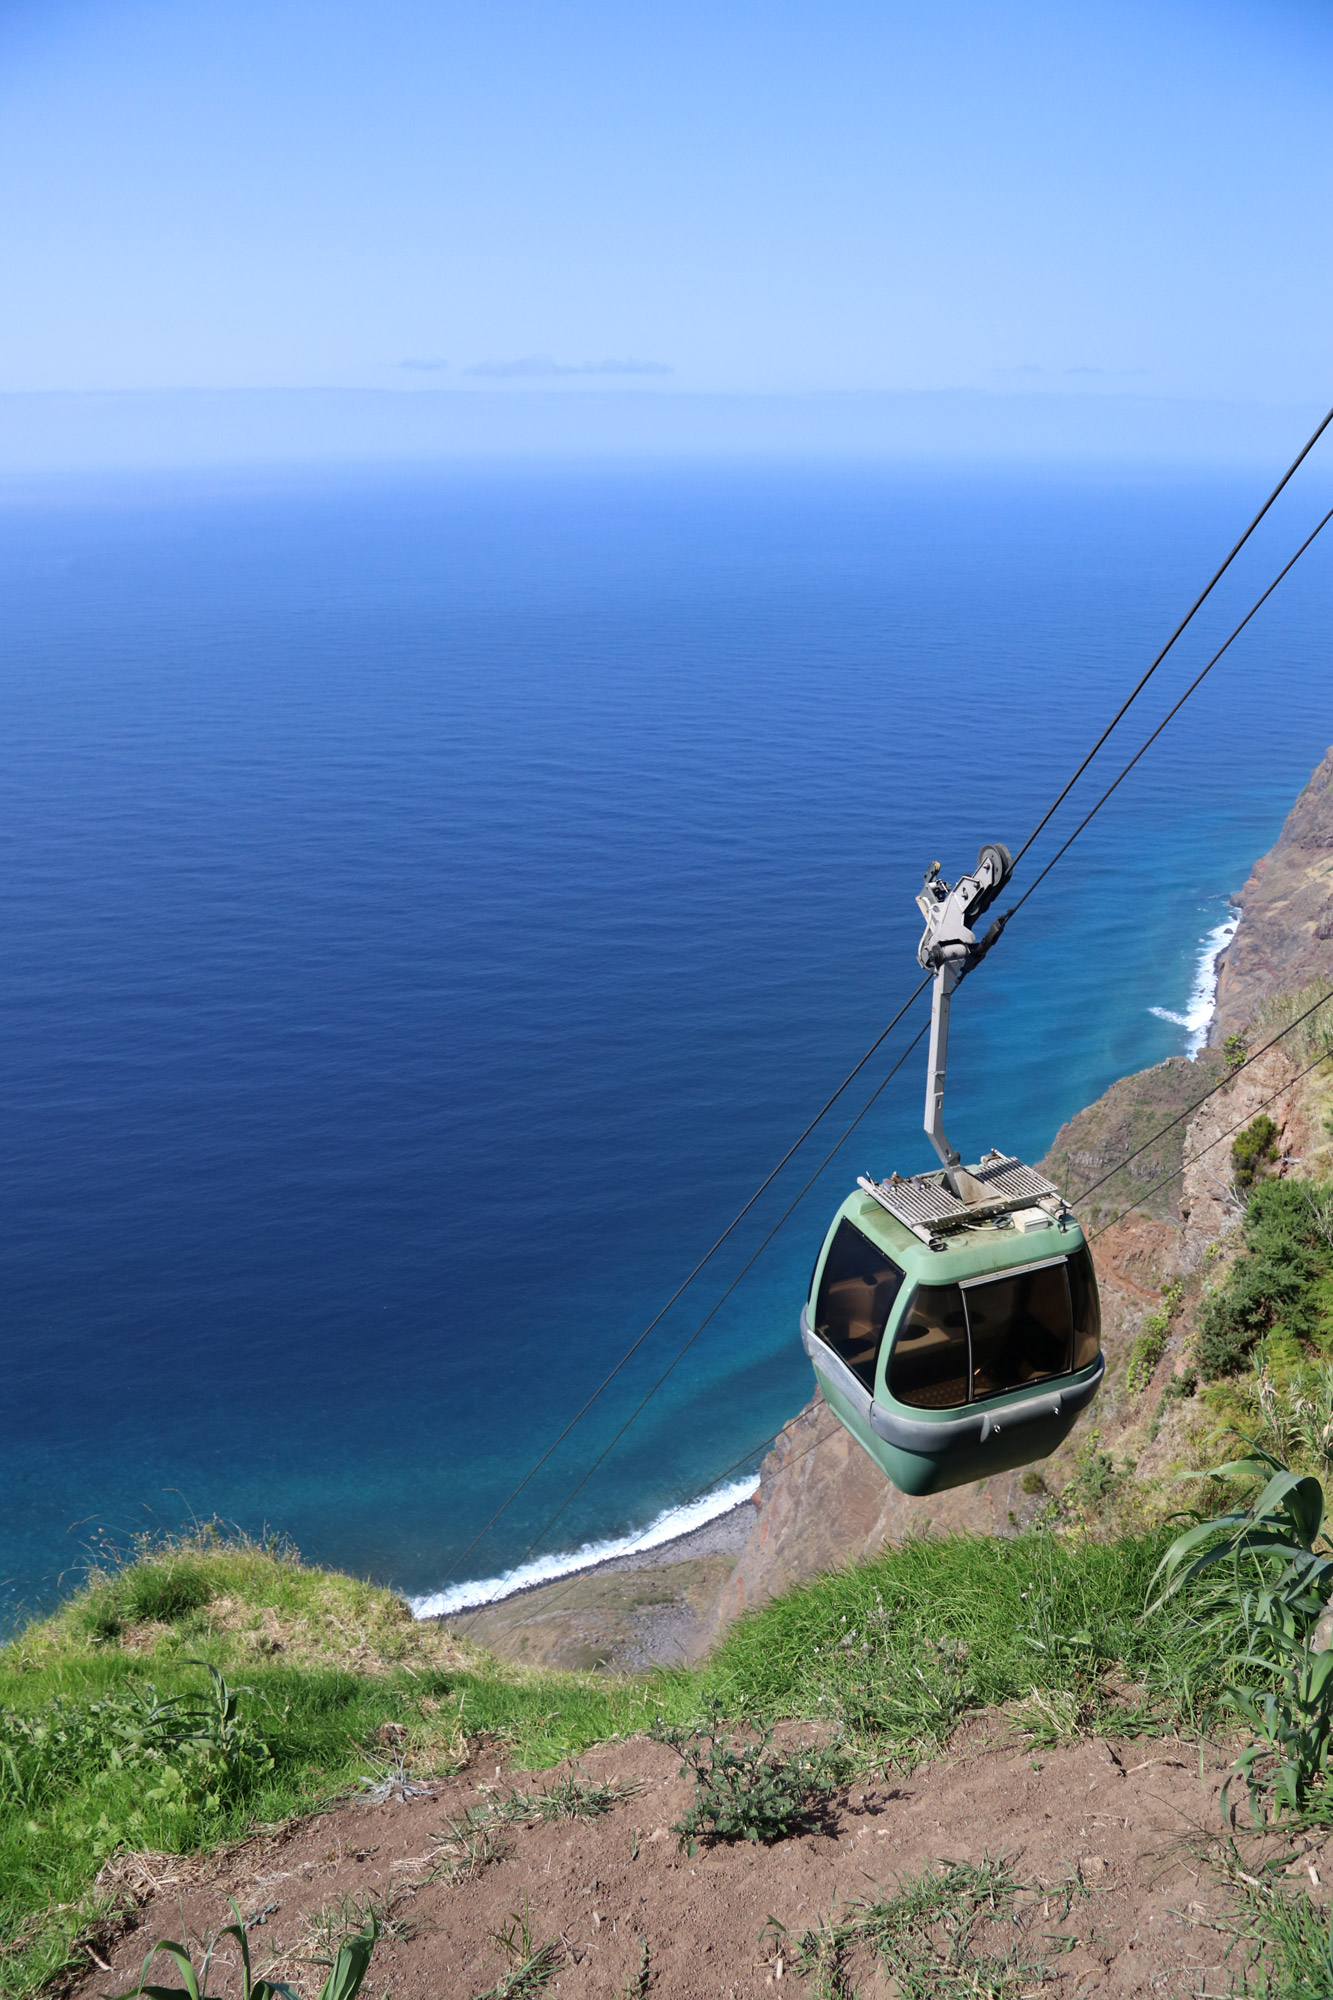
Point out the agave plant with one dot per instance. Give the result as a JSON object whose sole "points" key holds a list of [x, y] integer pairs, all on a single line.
{"points": [[1269, 1547], [1267, 1600]]}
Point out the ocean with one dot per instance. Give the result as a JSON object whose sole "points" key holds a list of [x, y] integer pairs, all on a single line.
{"points": [[434, 900]]}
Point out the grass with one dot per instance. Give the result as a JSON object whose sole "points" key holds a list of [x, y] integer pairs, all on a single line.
{"points": [[326, 1675], [958, 1931], [324, 1670], [898, 1650], [529, 1967], [1287, 1943]]}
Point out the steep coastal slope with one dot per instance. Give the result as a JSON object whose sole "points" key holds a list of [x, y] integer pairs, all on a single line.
{"points": [[1285, 938]]}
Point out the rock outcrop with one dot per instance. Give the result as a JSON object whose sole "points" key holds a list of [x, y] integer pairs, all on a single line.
{"points": [[1285, 938]]}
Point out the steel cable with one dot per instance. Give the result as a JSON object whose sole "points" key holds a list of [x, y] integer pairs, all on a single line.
{"points": [[637, 1343], [1204, 594], [1148, 742], [713, 1311], [1196, 1157]]}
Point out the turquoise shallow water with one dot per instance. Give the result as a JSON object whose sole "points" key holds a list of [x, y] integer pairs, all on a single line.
{"points": [[434, 901]]}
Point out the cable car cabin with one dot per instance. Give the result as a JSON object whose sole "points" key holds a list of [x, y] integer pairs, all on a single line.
{"points": [[955, 1339]]}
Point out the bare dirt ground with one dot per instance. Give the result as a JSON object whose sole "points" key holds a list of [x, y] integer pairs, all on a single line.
{"points": [[1109, 1838]]}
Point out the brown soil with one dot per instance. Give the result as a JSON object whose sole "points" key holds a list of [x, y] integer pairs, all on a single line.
{"points": [[1128, 1824]]}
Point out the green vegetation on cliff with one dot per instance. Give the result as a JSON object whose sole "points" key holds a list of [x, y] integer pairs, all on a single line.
{"points": [[1275, 1303]]}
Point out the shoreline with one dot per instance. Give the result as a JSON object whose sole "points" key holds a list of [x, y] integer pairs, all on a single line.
{"points": [[725, 1534]]}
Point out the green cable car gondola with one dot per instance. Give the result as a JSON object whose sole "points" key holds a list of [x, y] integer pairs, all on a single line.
{"points": [[953, 1319]]}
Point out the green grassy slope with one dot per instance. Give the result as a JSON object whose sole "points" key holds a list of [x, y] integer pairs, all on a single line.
{"points": [[111, 1733]]}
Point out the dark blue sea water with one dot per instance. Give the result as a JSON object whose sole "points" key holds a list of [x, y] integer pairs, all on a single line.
{"points": [[432, 902]]}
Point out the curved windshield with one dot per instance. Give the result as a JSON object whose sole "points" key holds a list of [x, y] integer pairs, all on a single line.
{"points": [[856, 1296], [1022, 1328], [1087, 1308], [928, 1367], [988, 1336]]}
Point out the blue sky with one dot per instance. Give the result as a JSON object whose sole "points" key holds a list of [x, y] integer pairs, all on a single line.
{"points": [[734, 196]]}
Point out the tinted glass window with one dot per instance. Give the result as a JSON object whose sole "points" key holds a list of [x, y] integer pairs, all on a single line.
{"points": [[1087, 1309], [928, 1366], [1022, 1329], [859, 1287]]}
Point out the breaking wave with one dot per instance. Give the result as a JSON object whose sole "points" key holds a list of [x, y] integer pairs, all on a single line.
{"points": [[671, 1522], [1203, 994]]}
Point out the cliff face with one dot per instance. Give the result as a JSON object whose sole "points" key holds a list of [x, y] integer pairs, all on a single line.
{"points": [[1285, 938]]}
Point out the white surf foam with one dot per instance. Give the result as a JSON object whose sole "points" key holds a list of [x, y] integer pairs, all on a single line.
{"points": [[545, 1569], [1203, 994]]}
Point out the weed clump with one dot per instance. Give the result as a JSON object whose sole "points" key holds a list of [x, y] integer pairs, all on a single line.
{"points": [[747, 1790], [957, 1931], [1254, 1150], [343, 1983]]}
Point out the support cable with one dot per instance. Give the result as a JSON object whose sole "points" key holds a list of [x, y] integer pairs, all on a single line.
{"points": [[1190, 1109], [1206, 592], [1204, 1150], [711, 1314], [996, 930]]}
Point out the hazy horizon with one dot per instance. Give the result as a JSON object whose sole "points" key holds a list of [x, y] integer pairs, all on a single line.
{"points": [[574, 197], [59, 432]]}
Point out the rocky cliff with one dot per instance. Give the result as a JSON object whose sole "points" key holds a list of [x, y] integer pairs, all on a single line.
{"points": [[1285, 938]]}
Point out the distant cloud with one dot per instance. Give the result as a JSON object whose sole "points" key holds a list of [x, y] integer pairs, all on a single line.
{"points": [[424, 367], [543, 365]]}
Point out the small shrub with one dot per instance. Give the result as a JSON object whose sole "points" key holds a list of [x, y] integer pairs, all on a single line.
{"points": [[1150, 1341], [1234, 1051], [1272, 1283], [1254, 1150], [745, 1790], [1032, 1481]]}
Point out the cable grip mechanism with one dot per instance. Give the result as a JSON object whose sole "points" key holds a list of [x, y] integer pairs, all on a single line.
{"points": [[948, 948]]}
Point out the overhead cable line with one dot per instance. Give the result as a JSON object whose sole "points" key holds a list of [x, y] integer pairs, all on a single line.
{"points": [[1190, 1109], [1194, 1158], [713, 1311], [993, 935], [1205, 593], [740, 1214]]}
